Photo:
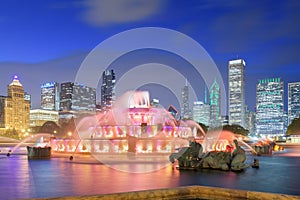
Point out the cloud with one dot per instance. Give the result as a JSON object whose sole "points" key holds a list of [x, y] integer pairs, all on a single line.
{"points": [[243, 26], [110, 12], [240, 27]]}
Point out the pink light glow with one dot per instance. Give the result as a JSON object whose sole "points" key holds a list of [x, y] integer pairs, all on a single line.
{"points": [[153, 129]]}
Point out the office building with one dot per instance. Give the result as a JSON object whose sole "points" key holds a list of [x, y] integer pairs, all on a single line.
{"points": [[185, 107], [215, 102], [50, 96], [77, 97], [84, 98], [201, 112], [224, 120], [39, 116], [270, 107], [236, 94], [66, 93], [285, 121], [108, 95], [27, 97], [250, 121], [15, 109], [76, 100], [293, 101], [155, 103]]}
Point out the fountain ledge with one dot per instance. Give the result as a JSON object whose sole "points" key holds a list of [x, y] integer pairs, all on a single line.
{"points": [[188, 192]]}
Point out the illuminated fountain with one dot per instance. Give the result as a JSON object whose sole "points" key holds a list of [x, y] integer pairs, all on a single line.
{"points": [[131, 125], [222, 140], [41, 150], [33, 141], [266, 147], [220, 149]]}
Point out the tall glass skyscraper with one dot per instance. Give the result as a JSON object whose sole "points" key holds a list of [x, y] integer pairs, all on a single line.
{"points": [[66, 92], [77, 97], [108, 95], [236, 82], [293, 101], [201, 112], [50, 96], [185, 107], [250, 121], [270, 107], [215, 101], [84, 98]]}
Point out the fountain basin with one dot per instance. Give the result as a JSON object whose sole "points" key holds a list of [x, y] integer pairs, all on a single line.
{"points": [[38, 152]]}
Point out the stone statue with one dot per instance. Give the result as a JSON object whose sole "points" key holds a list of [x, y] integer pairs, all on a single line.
{"points": [[192, 157], [188, 157], [238, 158], [217, 160], [255, 163]]}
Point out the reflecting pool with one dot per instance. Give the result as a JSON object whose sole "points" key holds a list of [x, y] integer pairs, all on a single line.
{"points": [[23, 178]]}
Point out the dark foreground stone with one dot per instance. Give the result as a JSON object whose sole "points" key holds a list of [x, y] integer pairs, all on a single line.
{"points": [[189, 192]]}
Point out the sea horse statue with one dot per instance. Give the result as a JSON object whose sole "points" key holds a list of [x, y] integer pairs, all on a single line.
{"points": [[238, 158]]}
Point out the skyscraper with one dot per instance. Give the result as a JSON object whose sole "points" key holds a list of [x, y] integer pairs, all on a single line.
{"points": [[84, 98], [201, 112], [215, 101], [15, 111], [185, 107], [250, 121], [270, 107], [108, 95], [293, 101], [236, 80], [77, 97], [66, 92], [27, 97], [50, 96]]}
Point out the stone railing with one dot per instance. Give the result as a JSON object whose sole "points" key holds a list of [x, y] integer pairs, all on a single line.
{"points": [[189, 192]]}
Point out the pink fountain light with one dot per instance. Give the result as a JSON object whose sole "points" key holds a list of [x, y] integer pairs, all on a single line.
{"points": [[131, 125], [222, 140]]}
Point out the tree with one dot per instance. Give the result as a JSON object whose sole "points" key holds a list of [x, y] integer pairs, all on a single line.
{"points": [[294, 127], [203, 126], [49, 127], [236, 129], [68, 127]]}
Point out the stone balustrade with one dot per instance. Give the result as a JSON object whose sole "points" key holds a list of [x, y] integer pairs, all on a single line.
{"points": [[188, 192]]}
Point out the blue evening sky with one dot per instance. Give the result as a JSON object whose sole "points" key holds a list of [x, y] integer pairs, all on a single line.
{"points": [[47, 40]]}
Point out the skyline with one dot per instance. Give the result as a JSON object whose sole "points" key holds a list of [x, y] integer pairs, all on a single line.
{"points": [[47, 41]]}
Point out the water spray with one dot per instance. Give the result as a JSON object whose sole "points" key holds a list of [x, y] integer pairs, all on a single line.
{"points": [[72, 156]]}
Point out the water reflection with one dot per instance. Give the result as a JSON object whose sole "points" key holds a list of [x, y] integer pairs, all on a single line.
{"points": [[18, 178], [21, 178], [290, 151]]}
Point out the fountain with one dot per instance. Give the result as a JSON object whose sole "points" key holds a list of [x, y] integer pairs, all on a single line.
{"points": [[36, 140], [266, 147], [130, 126], [220, 149], [132, 131], [41, 150]]}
